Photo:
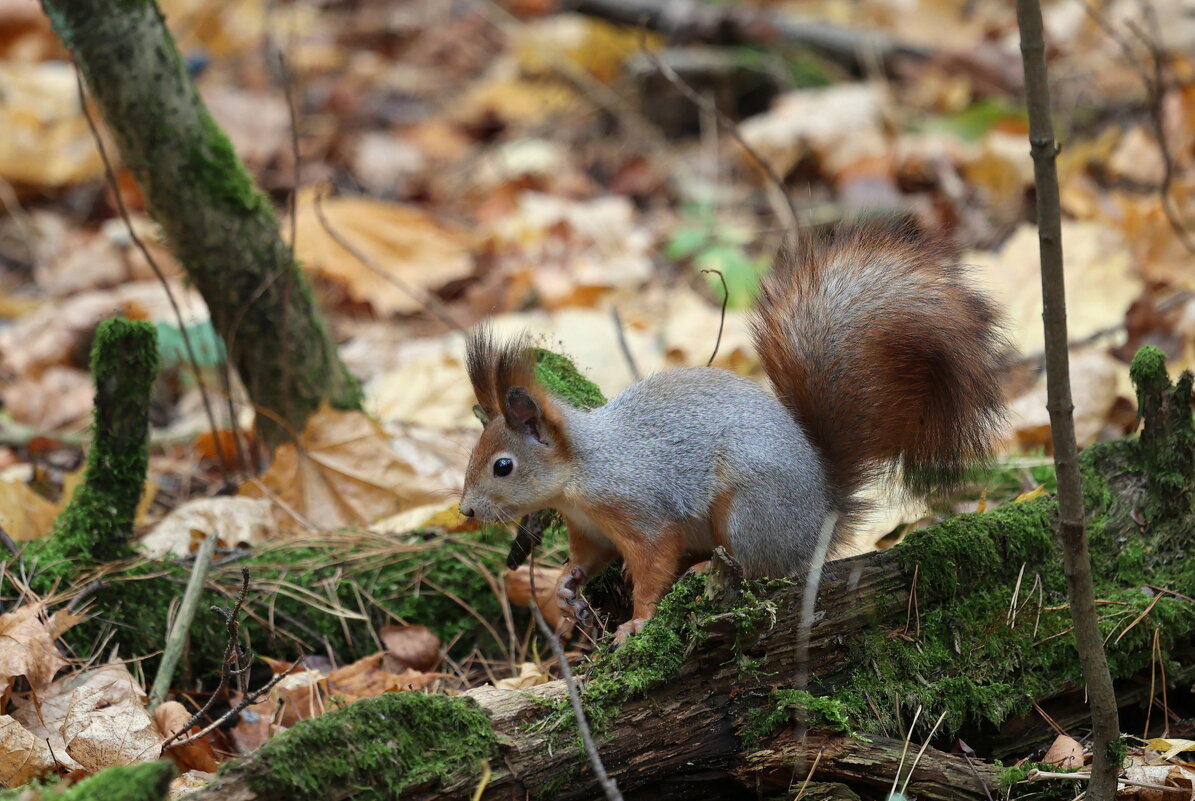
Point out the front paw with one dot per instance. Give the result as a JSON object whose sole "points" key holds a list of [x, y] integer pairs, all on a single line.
{"points": [[573, 608], [627, 629]]}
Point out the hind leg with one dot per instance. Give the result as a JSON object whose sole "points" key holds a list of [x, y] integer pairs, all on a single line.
{"points": [[769, 534]]}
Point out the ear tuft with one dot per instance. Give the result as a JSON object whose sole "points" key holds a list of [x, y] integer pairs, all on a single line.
{"points": [[522, 413]]}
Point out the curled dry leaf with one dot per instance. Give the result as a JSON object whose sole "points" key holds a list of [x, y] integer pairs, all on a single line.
{"points": [[237, 522], [518, 590], [170, 717], [91, 719], [530, 675], [422, 252], [411, 646], [344, 472], [22, 754], [27, 644], [1065, 753], [368, 677]]}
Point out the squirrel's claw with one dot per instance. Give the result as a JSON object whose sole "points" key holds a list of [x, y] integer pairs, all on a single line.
{"points": [[573, 608], [627, 629]]}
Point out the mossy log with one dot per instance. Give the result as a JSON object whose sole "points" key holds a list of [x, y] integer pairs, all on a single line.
{"points": [[965, 621], [222, 228]]}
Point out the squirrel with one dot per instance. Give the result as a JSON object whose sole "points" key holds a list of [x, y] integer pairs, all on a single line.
{"points": [[882, 359]]}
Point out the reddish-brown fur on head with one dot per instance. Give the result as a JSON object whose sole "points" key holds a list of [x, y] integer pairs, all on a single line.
{"points": [[523, 424], [873, 338]]}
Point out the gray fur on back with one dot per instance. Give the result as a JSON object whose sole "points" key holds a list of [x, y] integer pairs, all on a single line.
{"points": [[664, 449]]}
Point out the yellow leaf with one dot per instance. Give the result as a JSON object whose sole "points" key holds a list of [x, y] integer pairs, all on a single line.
{"points": [[1034, 493], [24, 514], [1171, 747], [46, 141], [415, 248]]}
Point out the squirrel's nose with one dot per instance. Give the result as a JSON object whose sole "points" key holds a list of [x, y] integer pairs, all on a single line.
{"points": [[467, 512]]}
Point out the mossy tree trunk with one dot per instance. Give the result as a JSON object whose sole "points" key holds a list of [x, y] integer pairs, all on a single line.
{"points": [[222, 228]]}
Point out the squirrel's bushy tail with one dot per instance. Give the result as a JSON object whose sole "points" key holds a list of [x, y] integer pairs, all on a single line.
{"points": [[875, 341]]}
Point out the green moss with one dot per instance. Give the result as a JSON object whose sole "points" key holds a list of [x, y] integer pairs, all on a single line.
{"points": [[149, 781], [560, 376], [778, 711], [377, 746], [1013, 783], [213, 164], [1167, 442], [98, 521]]}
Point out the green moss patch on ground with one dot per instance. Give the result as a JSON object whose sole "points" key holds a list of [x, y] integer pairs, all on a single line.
{"points": [[379, 746]]}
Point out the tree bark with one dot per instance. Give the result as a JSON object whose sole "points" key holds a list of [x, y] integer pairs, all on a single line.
{"points": [[222, 228], [1075, 554]]}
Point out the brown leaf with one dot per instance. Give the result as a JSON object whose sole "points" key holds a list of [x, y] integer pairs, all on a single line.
{"points": [[411, 646], [170, 717], [93, 719], [518, 590], [22, 754], [27, 647], [367, 678], [422, 252], [344, 472], [1065, 753]]}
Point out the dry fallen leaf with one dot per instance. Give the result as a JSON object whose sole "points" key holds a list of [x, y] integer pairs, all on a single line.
{"points": [[518, 590], [1064, 753], [170, 717], [411, 646], [46, 141], [24, 514], [530, 675], [368, 677], [1095, 379], [1100, 281], [344, 473], [58, 398], [92, 719], [412, 246], [238, 522], [22, 754], [27, 645]]}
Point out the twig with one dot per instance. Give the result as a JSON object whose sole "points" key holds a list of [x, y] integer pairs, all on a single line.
{"points": [[967, 753], [727, 124], [177, 639], [722, 320], [904, 787], [429, 302], [1071, 533], [89, 589], [236, 663], [110, 176], [813, 582], [608, 785], [622, 343]]}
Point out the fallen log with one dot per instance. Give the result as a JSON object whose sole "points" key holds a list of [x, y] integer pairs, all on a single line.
{"points": [[693, 21], [964, 623]]}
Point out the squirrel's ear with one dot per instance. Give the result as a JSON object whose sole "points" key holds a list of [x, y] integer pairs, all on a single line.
{"points": [[523, 413]]}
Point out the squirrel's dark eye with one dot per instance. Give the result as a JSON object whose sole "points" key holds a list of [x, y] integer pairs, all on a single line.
{"points": [[503, 466]]}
